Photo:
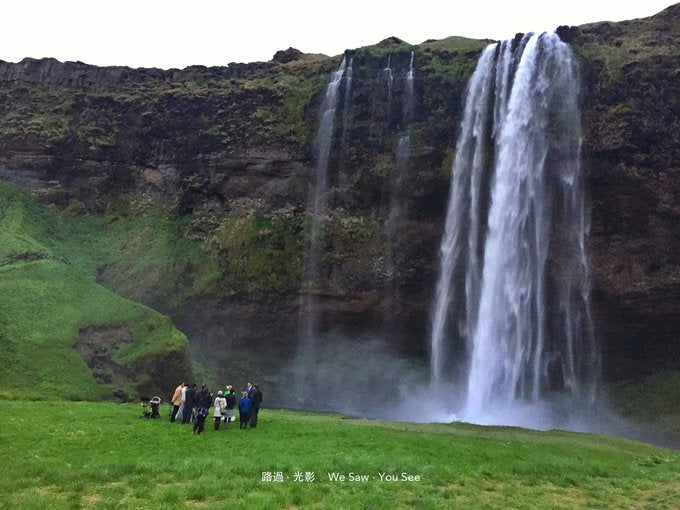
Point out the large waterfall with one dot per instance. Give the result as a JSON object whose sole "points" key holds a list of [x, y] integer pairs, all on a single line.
{"points": [[512, 298]]}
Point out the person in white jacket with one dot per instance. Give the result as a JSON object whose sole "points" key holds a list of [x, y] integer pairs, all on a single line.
{"points": [[220, 406]]}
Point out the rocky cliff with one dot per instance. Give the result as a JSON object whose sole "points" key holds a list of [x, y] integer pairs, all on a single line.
{"points": [[196, 183], [632, 148]]}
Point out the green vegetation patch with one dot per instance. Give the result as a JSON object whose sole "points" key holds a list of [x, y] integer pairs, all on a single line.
{"points": [[35, 111], [143, 256], [46, 304], [259, 252], [295, 84], [24, 227], [103, 456], [627, 42], [456, 44]]}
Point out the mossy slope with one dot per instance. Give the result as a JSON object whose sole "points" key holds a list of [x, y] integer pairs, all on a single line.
{"points": [[46, 304]]}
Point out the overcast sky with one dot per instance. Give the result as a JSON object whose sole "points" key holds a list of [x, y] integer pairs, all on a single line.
{"points": [[172, 33]]}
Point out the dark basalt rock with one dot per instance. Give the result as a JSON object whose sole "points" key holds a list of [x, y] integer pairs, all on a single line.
{"points": [[284, 56], [566, 33]]}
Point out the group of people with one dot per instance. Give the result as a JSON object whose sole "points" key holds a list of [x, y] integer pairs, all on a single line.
{"points": [[190, 404]]}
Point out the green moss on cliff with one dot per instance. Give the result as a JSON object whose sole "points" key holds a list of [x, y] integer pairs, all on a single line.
{"points": [[453, 58], [456, 44], [147, 253], [295, 85], [259, 252], [383, 166], [383, 49], [35, 111], [614, 46], [150, 258]]}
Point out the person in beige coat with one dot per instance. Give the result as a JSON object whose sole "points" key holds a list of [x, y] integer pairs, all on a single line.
{"points": [[176, 400]]}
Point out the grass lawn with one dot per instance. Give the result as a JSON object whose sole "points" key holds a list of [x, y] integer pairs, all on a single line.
{"points": [[101, 455]]}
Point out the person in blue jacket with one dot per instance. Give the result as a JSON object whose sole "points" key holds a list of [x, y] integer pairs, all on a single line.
{"points": [[244, 406]]}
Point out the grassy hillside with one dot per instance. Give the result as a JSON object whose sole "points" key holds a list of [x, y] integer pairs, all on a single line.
{"points": [[49, 307], [102, 456]]}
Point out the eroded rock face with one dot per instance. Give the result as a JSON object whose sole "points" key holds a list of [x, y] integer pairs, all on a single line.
{"points": [[81, 76], [632, 160], [216, 142], [98, 346], [155, 374]]}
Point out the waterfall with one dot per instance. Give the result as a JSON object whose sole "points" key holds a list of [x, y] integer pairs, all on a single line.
{"points": [[317, 202], [408, 104], [403, 152], [389, 79], [461, 222], [513, 292], [397, 207], [347, 103]]}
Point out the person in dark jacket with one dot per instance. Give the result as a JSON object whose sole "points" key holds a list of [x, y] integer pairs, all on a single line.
{"points": [[256, 401], [189, 403], [244, 406], [230, 415], [155, 407], [203, 403]]}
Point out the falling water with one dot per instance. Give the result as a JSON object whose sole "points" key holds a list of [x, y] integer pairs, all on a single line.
{"points": [[462, 224], [389, 79], [347, 103], [398, 200], [311, 278], [403, 152], [408, 104], [513, 287]]}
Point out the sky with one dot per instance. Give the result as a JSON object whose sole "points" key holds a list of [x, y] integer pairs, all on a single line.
{"points": [[173, 33]]}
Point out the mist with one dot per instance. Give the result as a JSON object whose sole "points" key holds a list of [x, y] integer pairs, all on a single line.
{"points": [[365, 377]]}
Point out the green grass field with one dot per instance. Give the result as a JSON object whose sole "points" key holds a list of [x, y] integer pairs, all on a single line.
{"points": [[101, 455]]}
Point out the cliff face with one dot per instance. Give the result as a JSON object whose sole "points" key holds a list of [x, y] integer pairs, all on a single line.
{"points": [[225, 156], [632, 156]]}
